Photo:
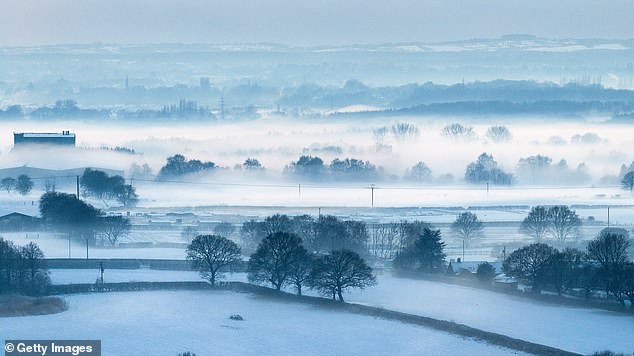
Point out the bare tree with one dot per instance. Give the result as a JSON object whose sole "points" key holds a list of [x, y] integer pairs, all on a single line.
{"points": [[273, 259], [114, 227], [536, 224], [210, 253], [300, 267], [8, 184], [610, 251], [564, 222], [251, 233], [499, 134], [467, 227], [340, 270]]}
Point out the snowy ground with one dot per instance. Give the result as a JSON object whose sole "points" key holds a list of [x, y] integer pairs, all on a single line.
{"points": [[575, 329], [166, 323], [72, 276]]}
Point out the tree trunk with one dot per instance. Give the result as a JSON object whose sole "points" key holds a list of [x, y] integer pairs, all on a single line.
{"points": [[340, 295], [299, 289], [212, 278]]}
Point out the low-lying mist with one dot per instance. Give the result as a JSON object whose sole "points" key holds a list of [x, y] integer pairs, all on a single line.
{"points": [[275, 142]]}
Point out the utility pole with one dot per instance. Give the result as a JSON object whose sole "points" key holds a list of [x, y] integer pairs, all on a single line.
{"points": [[608, 216], [487, 189], [69, 245], [86, 248], [101, 268], [319, 212], [462, 250], [77, 187], [372, 186], [299, 190]]}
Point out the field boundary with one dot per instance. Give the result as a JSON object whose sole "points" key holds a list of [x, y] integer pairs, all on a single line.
{"points": [[242, 287]]}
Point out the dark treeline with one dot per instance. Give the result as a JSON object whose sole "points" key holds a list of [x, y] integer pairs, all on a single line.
{"points": [[22, 269], [281, 259], [98, 184], [79, 220], [494, 97], [605, 266]]}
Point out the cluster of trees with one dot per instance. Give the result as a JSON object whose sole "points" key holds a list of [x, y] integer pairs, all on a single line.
{"points": [[424, 254], [178, 166], [98, 184], [282, 260], [340, 170], [22, 269], [80, 220], [323, 234], [485, 170], [605, 265], [540, 170], [22, 185], [559, 222]]}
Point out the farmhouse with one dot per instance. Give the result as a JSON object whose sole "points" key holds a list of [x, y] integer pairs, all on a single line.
{"points": [[19, 222], [65, 138]]}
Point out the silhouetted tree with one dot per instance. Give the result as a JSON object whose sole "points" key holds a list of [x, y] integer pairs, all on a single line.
{"points": [[537, 223], [485, 272], [272, 260], [530, 264], [610, 250], [210, 253], [332, 274], [467, 227], [8, 184], [301, 266], [486, 169], [425, 254], [627, 182], [419, 173], [307, 167], [564, 269], [114, 227], [126, 195], [177, 165], [499, 134], [24, 184], [66, 212], [564, 222]]}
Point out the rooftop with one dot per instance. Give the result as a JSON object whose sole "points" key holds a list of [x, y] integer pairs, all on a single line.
{"points": [[46, 134]]}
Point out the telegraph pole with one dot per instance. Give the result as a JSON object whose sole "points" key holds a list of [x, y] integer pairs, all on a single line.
{"points": [[77, 187], [299, 190], [608, 216], [372, 186]]}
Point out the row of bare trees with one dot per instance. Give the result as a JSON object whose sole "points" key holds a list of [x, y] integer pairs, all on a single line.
{"points": [[604, 265], [280, 260]]}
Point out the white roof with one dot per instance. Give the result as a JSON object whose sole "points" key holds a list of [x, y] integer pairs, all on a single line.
{"points": [[47, 134]]}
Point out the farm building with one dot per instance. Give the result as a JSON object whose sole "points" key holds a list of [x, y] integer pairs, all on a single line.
{"points": [[65, 138]]}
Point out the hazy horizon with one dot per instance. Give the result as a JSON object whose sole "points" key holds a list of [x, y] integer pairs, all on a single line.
{"points": [[304, 23]]}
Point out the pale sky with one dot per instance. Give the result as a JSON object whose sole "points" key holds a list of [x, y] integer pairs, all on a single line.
{"points": [[306, 23]]}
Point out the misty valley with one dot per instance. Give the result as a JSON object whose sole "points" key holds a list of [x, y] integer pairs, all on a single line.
{"points": [[464, 196]]}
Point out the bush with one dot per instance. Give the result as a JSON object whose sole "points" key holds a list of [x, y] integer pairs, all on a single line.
{"points": [[485, 272]]}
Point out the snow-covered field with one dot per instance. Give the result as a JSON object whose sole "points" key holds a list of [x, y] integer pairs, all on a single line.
{"points": [[72, 276], [574, 329], [569, 328], [167, 323]]}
